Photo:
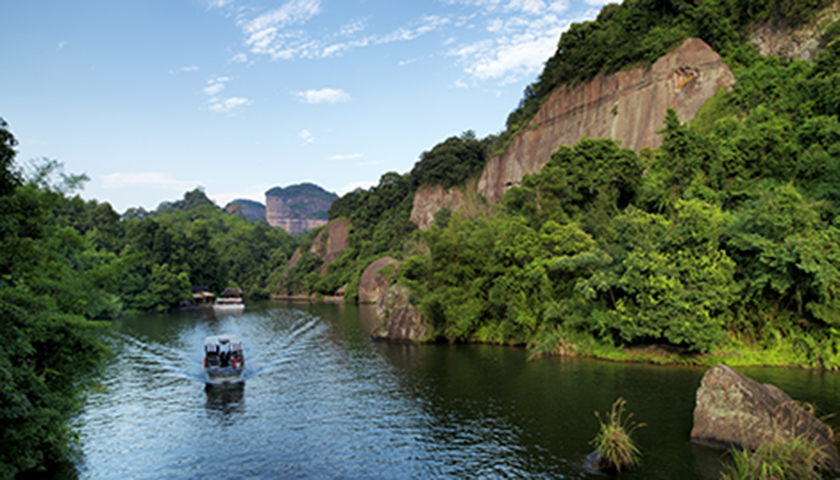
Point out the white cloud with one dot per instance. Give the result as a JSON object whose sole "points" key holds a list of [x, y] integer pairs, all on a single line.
{"points": [[61, 45], [424, 25], [214, 88], [227, 104], [351, 156], [146, 179], [239, 58], [324, 95], [518, 36], [265, 33], [215, 85], [307, 136]]}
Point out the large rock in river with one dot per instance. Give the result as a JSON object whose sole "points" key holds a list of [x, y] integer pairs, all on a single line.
{"points": [[733, 409], [401, 321], [373, 283]]}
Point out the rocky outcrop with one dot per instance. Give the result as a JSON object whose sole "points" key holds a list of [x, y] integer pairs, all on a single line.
{"points": [[254, 211], [298, 208], [733, 409], [429, 200], [373, 284], [329, 244], [628, 106], [803, 41], [401, 321], [296, 225]]}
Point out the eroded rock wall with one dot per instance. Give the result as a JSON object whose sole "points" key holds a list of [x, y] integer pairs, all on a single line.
{"points": [[627, 106], [429, 200]]}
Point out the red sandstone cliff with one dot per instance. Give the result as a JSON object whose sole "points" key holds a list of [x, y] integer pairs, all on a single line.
{"points": [[329, 244], [628, 106]]}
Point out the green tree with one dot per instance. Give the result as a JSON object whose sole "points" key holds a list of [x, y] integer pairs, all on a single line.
{"points": [[49, 347]]}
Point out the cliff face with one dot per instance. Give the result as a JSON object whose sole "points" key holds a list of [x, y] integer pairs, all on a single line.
{"points": [[429, 200], [249, 209], [298, 208], [801, 41], [329, 244], [627, 106]]}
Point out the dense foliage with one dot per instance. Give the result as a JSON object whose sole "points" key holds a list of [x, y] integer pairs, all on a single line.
{"points": [[640, 31], [451, 162], [48, 292], [726, 237], [379, 225]]}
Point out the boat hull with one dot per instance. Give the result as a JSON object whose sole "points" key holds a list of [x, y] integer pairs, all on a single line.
{"points": [[223, 374]]}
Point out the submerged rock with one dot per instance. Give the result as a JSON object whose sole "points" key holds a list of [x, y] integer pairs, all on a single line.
{"points": [[735, 410]]}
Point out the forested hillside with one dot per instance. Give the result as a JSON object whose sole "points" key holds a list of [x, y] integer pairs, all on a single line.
{"points": [[722, 242]]}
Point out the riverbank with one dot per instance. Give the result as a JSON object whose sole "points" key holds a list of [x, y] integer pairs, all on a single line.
{"points": [[787, 351], [308, 298]]}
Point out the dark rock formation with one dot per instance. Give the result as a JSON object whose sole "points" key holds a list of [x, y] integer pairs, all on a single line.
{"points": [[373, 284], [733, 409], [253, 211], [401, 321], [298, 208]]}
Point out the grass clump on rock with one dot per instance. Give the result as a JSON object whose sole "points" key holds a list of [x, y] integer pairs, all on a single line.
{"points": [[613, 445], [794, 459], [783, 456]]}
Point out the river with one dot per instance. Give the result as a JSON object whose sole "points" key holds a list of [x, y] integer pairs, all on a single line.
{"points": [[321, 400]]}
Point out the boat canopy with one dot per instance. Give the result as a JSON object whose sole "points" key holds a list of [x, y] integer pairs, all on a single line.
{"points": [[225, 342]]}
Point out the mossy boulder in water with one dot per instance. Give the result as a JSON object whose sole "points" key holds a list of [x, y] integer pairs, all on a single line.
{"points": [[735, 410]]}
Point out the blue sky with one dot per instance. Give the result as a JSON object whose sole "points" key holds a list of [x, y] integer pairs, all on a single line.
{"points": [[152, 98]]}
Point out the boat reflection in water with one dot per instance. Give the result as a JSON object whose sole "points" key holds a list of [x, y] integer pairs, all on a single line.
{"points": [[225, 397]]}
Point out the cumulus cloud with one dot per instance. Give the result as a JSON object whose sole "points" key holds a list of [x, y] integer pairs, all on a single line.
{"points": [[214, 88], [215, 85], [146, 179], [239, 58], [223, 105], [324, 95]]}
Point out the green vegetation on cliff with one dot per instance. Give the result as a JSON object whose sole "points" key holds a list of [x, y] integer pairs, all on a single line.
{"points": [[725, 238], [722, 242], [637, 32]]}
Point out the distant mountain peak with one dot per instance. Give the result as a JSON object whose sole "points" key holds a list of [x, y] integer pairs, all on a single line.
{"points": [[298, 208]]}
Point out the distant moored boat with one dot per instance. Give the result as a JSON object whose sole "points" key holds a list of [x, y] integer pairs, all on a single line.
{"points": [[230, 300]]}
